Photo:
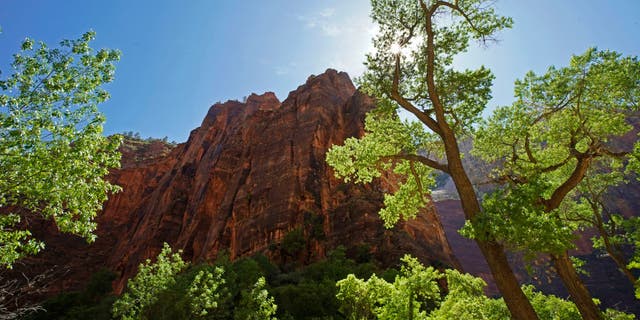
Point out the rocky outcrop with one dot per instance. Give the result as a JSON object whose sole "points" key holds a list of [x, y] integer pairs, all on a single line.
{"points": [[252, 179], [253, 173]]}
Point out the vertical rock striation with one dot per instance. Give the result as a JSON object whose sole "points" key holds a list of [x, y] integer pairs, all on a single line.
{"points": [[248, 178], [254, 172]]}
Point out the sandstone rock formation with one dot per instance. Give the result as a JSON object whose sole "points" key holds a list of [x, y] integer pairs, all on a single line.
{"points": [[251, 176], [254, 172]]}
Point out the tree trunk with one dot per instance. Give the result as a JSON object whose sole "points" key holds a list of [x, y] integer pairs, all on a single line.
{"points": [[564, 267], [614, 254], [518, 304], [507, 283], [579, 293], [619, 261]]}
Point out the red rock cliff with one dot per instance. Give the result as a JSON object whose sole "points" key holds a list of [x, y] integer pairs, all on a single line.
{"points": [[251, 174]]}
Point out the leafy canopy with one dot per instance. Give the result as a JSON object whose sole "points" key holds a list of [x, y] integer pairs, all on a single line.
{"points": [[411, 69], [170, 288], [53, 156], [412, 295], [430, 34], [415, 294], [369, 157], [150, 281], [256, 304], [204, 291], [554, 150]]}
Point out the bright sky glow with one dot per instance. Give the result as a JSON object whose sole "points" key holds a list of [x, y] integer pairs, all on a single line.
{"points": [[180, 57], [395, 48]]}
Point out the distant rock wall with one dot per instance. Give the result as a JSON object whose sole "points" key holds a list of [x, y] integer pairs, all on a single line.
{"points": [[249, 176], [252, 173]]}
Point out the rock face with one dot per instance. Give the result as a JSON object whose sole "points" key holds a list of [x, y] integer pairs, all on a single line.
{"points": [[254, 173], [253, 179]]}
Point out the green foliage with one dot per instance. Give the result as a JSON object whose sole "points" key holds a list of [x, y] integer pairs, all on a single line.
{"points": [[520, 220], [170, 289], [294, 242], [632, 236], [99, 285], [382, 149], [204, 291], [256, 304], [15, 243], [415, 294], [306, 299], [569, 108], [310, 293], [634, 161], [135, 136], [611, 314], [357, 296], [412, 68], [466, 300], [551, 307], [238, 290], [404, 24], [623, 232], [543, 144], [149, 282], [53, 156], [132, 135], [553, 147]]}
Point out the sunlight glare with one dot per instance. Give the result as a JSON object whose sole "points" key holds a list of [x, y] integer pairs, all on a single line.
{"points": [[395, 48]]}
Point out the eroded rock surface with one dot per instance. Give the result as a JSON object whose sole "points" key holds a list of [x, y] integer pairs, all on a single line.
{"points": [[251, 175]]}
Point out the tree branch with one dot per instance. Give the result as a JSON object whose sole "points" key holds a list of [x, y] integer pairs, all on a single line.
{"points": [[418, 182], [454, 6], [430, 77], [417, 158], [527, 148], [407, 105], [574, 179], [556, 166]]}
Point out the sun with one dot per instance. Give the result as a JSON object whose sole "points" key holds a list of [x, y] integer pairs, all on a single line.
{"points": [[395, 48]]}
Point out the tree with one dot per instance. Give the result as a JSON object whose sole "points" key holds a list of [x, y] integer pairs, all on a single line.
{"points": [[357, 296], [614, 235], [170, 288], [415, 294], [466, 300], [412, 69], [16, 295], [256, 304], [149, 282], [53, 156], [204, 291], [549, 142], [615, 232]]}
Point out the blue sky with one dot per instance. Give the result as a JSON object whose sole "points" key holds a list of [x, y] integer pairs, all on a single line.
{"points": [[180, 57]]}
